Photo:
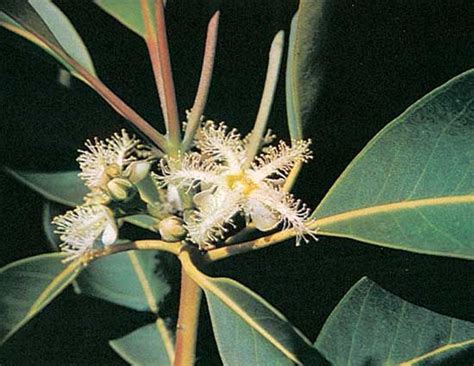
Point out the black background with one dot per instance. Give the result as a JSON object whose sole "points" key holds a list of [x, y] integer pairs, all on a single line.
{"points": [[380, 57]]}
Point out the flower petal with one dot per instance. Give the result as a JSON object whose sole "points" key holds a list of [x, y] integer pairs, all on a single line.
{"points": [[262, 216]]}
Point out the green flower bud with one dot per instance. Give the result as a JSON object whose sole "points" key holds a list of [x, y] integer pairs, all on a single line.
{"points": [[137, 171], [120, 189], [172, 229]]}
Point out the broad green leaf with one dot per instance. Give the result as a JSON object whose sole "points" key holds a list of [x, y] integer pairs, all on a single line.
{"points": [[127, 12], [131, 279], [30, 284], [150, 345], [305, 69], [127, 279], [461, 353], [43, 23], [248, 330], [65, 188], [372, 326], [68, 189], [412, 186]]}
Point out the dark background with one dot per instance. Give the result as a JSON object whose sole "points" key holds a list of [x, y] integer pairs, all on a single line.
{"points": [[380, 57]]}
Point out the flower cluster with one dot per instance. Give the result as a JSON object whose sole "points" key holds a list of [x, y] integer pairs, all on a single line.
{"points": [[230, 184], [220, 176], [110, 169]]}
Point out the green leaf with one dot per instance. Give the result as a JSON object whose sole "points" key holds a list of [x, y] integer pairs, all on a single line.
{"points": [[30, 284], [152, 344], [248, 330], [127, 12], [412, 186], [131, 279], [49, 212], [305, 68], [372, 326], [43, 23], [461, 353], [65, 188], [142, 221]]}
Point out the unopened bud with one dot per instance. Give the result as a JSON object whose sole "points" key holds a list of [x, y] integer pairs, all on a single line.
{"points": [[137, 171], [172, 229], [120, 189]]}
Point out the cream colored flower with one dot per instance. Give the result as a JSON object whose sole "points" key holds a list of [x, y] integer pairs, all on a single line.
{"points": [[229, 185], [81, 228], [120, 156]]}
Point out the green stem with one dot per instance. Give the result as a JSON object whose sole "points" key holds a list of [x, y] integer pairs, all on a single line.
{"points": [[271, 81], [188, 321], [204, 82], [256, 244], [173, 248]]}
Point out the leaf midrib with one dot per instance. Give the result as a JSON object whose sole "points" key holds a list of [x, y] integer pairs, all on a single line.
{"points": [[390, 207], [222, 296]]}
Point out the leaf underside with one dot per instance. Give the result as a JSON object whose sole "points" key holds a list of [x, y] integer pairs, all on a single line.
{"points": [[131, 279], [41, 21], [150, 345], [28, 285], [127, 12], [305, 67]]}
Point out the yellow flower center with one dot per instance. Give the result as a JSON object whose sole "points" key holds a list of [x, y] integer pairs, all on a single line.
{"points": [[240, 180], [113, 170]]}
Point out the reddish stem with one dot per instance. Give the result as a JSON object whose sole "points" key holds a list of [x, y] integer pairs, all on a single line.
{"points": [[152, 45], [173, 126], [188, 320]]}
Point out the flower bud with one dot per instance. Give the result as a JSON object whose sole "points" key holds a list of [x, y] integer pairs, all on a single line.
{"points": [[120, 189], [137, 171], [172, 229]]}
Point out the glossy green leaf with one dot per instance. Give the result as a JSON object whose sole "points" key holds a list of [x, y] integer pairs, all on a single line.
{"points": [[305, 68], [127, 12], [131, 279], [30, 284], [461, 353], [412, 186], [372, 326], [150, 345], [43, 23], [62, 187], [248, 330]]}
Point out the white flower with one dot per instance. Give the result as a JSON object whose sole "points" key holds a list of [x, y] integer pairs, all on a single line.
{"points": [[112, 158], [79, 229], [229, 185]]}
